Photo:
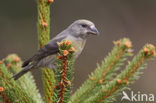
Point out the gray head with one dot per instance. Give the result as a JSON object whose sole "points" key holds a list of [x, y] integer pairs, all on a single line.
{"points": [[83, 28]]}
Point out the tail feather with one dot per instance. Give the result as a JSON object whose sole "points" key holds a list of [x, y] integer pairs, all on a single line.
{"points": [[22, 72], [25, 63]]}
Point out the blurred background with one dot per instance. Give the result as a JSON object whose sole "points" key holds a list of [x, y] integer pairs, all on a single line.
{"points": [[115, 19]]}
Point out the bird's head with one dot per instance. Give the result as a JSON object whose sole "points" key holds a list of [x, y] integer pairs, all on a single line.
{"points": [[83, 28]]}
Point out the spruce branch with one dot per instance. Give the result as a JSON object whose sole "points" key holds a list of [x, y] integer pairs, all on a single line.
{"points": [[43, 37], [3, 96], [49, 84], [109, 91], [105, 72], [12, 92], [64, 72], [27, 81]]}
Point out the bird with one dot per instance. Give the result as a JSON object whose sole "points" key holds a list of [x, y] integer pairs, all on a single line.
{"points": [[77, 33]]}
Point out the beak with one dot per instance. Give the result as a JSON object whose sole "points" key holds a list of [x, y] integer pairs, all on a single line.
{"points": [[93, 30]]}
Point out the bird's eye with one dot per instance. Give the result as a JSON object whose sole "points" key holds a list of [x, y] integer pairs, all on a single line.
{"points": [[84, 25]]}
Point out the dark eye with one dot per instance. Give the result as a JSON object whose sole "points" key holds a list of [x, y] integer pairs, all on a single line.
{"points": [[84, 25]]}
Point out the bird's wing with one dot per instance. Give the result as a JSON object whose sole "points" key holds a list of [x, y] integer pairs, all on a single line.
{"points": [[49, 49]]}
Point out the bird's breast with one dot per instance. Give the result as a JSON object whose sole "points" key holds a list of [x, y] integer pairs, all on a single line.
{"points": [[78, 44]]}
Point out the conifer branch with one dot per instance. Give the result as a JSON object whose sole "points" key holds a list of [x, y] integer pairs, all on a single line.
{"points": [[12, 92], [49, 84], [44, 35], [4, 97], [27, 81], [64, 72], [109, 91], [105, 72]]}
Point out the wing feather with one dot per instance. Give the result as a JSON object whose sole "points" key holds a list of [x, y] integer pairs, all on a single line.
{"points": [[49, 49]]}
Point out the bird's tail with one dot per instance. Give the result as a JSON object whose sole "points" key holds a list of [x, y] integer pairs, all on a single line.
{"points": [[21, 73]]}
